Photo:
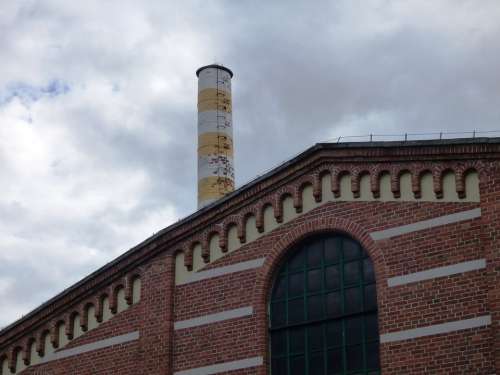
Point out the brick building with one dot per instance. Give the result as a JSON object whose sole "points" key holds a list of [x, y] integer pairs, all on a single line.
{"points": [[351, 258]]}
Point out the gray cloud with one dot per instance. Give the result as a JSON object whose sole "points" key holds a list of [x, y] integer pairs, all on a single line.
{"points": [[98, 108]]}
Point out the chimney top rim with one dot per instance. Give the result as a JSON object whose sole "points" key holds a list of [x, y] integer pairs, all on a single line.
{"points": [[217, 66]]}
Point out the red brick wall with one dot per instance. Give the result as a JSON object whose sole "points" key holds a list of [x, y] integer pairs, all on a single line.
{"points": [[163, 350], [414, 305], [152, 317]]}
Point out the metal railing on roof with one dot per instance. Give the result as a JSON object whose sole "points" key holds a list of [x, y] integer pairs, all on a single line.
{"points": [[413, 136], [403, 137]]}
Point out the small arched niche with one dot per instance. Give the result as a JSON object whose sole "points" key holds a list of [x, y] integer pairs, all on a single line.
{"points": [[251, 232], [34, 356], [365, 191], [214, 245], [20, 366], [91, 318], [427, 186], [121, 301], [472, 185], [136, 289], [384, 182], [106, 308], [77, 328], [308, 200], [270, 222], [5, 366], [405, 187], [345, 187], [233, 242], [448, 181], [61, 334], [289, 211], [198, 262], [326, 187]]}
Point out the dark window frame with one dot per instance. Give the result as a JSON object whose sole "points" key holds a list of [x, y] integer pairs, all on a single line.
{"points": [[337, 256]]}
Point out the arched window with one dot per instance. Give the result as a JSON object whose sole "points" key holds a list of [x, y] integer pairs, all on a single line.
{"points": [[323, 310]]}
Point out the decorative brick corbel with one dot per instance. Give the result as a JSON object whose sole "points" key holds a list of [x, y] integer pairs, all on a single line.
{"points": [[113, 298], [355, 177], [395, 184], [54, 334], [437, 180], [68, 325]]}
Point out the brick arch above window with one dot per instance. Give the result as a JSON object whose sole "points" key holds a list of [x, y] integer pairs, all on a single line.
{"points": [[280, 250]]}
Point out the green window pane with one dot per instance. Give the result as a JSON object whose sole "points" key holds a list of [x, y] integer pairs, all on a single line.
{"points": [[354, 358], [351, 249], [332, 277], [279, 366], [352, 273], [316, 364], [296, 284], [315, 339], [278, 343], [333, 249], [297, 261], [334, 362], [333, 304], [296, 311], [354, 330], [278, 313], [297, 340], [315, 254], [371, 327], [372, 355], [315, 307], [334, 333], [368, 273], [314, 280], [353, 300], [370, 297], [280, 288], [297, 366]]}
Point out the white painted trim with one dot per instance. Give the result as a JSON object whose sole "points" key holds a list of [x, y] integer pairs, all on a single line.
{"points": [[221, 271], [223, 367], [426, 224], [132, 336], [214, 318], [433, 273], [436, 329]]}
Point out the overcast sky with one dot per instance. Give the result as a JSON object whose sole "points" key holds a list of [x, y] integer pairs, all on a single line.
{"points": [[98, 107]]}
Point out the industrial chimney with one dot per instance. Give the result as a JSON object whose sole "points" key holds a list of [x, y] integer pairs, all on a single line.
{"points": [[215, 134]]}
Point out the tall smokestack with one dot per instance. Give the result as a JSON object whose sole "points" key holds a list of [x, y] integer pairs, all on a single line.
{"points": [[215, 134]]}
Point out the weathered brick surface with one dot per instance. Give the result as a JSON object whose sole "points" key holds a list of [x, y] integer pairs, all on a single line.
{"points": [[161, 350], [216, 343], [465, 352], [120, 359]]}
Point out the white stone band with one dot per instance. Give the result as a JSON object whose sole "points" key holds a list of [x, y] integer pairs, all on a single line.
{"points": [[208, 79], [212, 166], [214, 318], [434, 273], [221, 271], [215, 122], [426, 224], [224, 367], [132, 336], [436, 329]]}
